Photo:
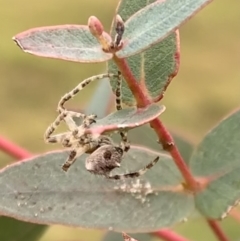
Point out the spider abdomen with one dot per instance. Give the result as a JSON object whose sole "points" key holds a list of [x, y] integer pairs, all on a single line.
{"points": [[104, 160]]}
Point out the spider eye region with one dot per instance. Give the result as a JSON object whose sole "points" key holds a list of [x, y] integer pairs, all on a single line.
{"points": [[104, 160]]}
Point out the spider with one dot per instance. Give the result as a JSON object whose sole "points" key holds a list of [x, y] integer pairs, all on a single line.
{"points": [[104, 154]]}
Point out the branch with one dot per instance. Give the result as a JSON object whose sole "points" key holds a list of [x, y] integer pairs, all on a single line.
{"points": [[169, 235], [168, 145], [13, 150], [217, 230]]}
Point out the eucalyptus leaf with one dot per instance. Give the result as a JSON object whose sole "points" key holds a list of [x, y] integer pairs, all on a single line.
{"points": [[156, 21], [78, 198], [216, 163], [154, 68], [102, 95], [126, 119], [69, 42]]}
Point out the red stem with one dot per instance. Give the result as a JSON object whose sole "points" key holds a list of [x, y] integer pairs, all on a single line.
{"points": [[13, 150], [164, 136], [217, 230], [168, 144], [169, 235]]}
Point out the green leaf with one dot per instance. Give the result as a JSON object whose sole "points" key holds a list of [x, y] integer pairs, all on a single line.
{"points": [[102, 95], [113, 236], [38, 191], [69, 42], [153, 69], [156, 21], [216, 162], [126, 119], [15, 230]]}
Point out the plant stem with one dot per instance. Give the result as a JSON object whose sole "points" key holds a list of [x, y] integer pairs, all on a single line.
{"points": [[168, 144], [217, 230], [13, 150], [164, 136], [169, 235]]}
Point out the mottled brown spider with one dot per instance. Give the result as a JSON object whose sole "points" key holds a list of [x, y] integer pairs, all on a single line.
{"points": [[104, 154]]}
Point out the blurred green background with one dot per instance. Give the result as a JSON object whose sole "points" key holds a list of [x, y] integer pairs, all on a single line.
{"points": [[205, 90]]}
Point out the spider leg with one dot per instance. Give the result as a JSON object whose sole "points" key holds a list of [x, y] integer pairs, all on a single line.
{"points": [[125, 143], [71, 138], [70, 160], [74, 154], [69, 119], [64, 116], [118, 92], [59, 138], [135, 174], [84, 145], [53, 126], [79, 87], [78, 131]]}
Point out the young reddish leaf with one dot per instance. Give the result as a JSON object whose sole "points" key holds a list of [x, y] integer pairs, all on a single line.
{"points": [[216, 163], [95, 26], [48, 195], [153, 23], [69, 42], [154, 68], [126, 119]]}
